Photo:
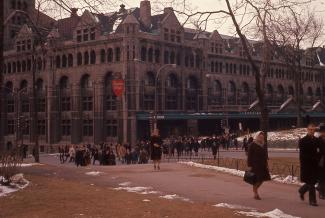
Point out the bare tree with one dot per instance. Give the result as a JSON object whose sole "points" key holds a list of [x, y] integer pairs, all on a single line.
{"points": [[1, 71], [297, 29]]}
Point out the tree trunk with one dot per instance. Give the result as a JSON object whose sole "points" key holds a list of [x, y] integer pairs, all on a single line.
{"points": [[1, 73], [34, 112]]}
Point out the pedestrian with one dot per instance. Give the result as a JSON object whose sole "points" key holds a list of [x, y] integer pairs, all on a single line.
{"points": [[309, 160], [321, 181], [156, 149], [257, 162]]}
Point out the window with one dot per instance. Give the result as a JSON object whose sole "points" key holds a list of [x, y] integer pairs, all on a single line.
{"points": [[111, 102], [70, 60], [92, 57], [58, 61], [10, 127], [111, 128], [25, 127], [25, 105], [102, 56], [41, 105], [85, 35], [79, 38], [166, 34], [64, 61], [149, 101], [86, 58], [87, 129], [171, 102], [65, 104], [41, 127], [18, 46], [110, 55], [157, 56], [29, 44], [65, 127], [87, 103], [79, 59], [92, 33], [117, 54]]}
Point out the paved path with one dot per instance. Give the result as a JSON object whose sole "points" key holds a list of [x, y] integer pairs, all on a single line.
{"points": [[196, 184]]}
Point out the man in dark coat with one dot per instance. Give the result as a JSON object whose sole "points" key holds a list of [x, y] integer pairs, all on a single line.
{"points": [[309, 159], [321, 179]]}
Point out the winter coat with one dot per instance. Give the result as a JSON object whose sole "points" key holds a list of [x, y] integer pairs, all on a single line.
{"points": [[257, 160], [309, 159], [156, 148], [322, 160]]}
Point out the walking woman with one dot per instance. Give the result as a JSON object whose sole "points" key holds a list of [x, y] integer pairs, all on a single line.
{"points": [[156, 149], [257, 162]]}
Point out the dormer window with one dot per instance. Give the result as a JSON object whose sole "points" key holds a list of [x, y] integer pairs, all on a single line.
{"points": [[86, 34], [172, 35]]}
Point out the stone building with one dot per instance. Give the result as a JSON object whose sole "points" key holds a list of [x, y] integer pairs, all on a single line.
{"points": [[204, 78]]}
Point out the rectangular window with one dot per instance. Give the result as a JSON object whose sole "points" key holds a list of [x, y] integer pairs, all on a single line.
{"points": [[10, 106], [10, 127], [111, 128], [41, 105], [25, 106], [87, 103], [85, 35], [25, 127], [149, 102], [41, 127], [171, 102], [92, 33], [66, 127], [87, 128], [65, 104], [111, 103]]}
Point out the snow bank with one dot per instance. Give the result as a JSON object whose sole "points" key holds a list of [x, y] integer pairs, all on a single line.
{"points": [[18, 183], [26, 164], [233, 206], [276, 213], [285, 180], [292, 134], [94, 173], [125, 184]]}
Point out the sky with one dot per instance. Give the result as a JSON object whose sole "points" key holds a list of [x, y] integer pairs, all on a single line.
{"points": [[217, 22]]}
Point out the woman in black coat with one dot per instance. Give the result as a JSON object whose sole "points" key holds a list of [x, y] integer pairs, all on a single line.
{"points": [[257, 162], [156, 149]]}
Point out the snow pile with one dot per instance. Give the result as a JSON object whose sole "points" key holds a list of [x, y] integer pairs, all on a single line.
{"points": [[125, 184], [276, 213], [30, 164], [138, 190], [292, 134], [285, 180], [233, 206], [18, 183], [94, 173], [175, 196], [146, 200]]}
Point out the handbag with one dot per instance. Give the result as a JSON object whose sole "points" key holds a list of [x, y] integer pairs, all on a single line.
{"points": [[250, 177]]}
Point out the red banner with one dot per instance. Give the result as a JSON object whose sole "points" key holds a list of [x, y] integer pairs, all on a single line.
{"points": [[118, 87]]}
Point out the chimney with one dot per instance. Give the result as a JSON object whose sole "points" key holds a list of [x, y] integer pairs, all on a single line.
{"points": [[145, 13], [168, 10], [74, 12]]}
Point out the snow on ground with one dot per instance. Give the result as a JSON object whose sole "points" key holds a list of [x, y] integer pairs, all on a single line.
{"points": [[146, 200], [18, 183], [27, 164], [174, 197], [287, 180], [137, 189], [276, 213], [291, 134], [125, 184], [94, 173], [233, 206]]}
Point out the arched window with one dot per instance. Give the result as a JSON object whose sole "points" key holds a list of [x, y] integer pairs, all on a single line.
{"points": [[23, 85], [86, 58], [110, 55], [23, 66], [64, 61], [58, 61], [39, 85], [269, 94], [281, 94], [9, 67], [172, 57], [215, 93], [9, 87], [70, 60], [79, 59], [102, 56], [166, 57], [117, 54], [191, 95], [232, 90], [217, 87], [18, 66], [192, 83], [92, 57], [64, 81], [86, 82], [310, 92], [65, 100], [39, 64], [157, 56], [318, 93], [245, 93], [14, 67], [172, 81], [143, 54], [150, 55], [150, 79], [291, 91]]}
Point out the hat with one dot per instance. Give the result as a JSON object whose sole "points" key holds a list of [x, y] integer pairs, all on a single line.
{"points": [[321, 127]]}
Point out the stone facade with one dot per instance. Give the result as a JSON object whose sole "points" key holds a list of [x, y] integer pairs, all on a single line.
{"points": [[81, 56]]}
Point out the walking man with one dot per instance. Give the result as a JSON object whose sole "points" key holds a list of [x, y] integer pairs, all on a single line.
{"points": [[309, 160]]}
